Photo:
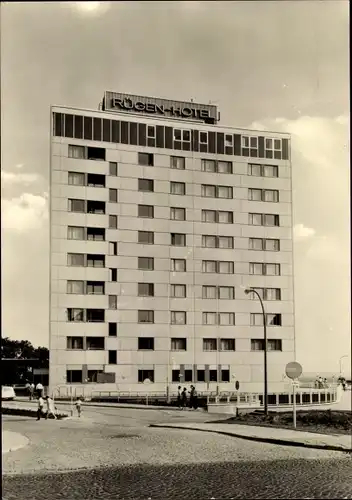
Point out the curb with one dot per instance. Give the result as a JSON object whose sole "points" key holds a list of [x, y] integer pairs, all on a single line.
{"points": [[282, 442], [26, 412]]}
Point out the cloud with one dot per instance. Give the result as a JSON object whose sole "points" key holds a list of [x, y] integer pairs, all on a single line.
{"points": [[301, 232], [11, 178], [90, 8], [25, 213]]}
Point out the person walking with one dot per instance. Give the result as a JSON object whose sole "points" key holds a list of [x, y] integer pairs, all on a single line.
{"points": [[40, 408], [184, 398], [40, 389], [50, 408], [79, 407], [192, 396], [195, 399], [179, 398], [31, 391]]}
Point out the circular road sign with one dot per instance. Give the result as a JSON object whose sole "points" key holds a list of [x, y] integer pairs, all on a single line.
{"points": [[237, 385], [293, 370]]}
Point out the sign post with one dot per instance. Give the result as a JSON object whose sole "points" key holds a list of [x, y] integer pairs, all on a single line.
{"points": [[293, 370]]}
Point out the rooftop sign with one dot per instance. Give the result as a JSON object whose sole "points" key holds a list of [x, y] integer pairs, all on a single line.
{"points": [[128, 103]]}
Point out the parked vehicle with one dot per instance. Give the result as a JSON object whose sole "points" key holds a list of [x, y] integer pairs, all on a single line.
{"points": [[7, 393]]}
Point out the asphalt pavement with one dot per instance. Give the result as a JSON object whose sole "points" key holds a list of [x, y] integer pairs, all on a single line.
{"points": [[112, 453]]}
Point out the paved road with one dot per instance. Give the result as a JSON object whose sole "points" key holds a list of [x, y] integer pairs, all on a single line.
{"points": [[124, 459]]}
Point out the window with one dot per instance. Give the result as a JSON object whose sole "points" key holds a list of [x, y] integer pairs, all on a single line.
{"points": [[224, 192], [146, 185], [113, 274], [151, 132], [226, 319], [182, 138], [75, 343], [77, 152], [271, 171], [144, 375], [225, 375], [76, 287], [92, 375], [112, 329], [96, 154], [209, 318], [200, 375], [270, 195], [208, 191], [178, 188], [224, 167], [272, 294], [188, 377], [176, 376], [75, 315], [273, 148], [255, 194], [253, 296], [112, 221], [177, 162], [178, 213], [226, 292], [95, 234], [146, 263], [272, 245], [264, 269], [146, 343], [146, 159], [74, 376], [112, 247], [178, 291], [113, 195], [75, 233], [209, 215], [145, 316], [95, 180], [95, 207], [210, 344], [112, 358], [95, 287], [229, 140], [254, 169], [178, 240], [146, 211], [271, 319], [95, 315], [146, 237], [95, 260], [95, 343], [76, 179], [271, 220], [112, 301], [272, 345], [225, 267], [255, 219], [178, 318], [178, 344], [75, 259], [178, 265], [225, 217], [145, 289], [227, 344], [210, 241], [245, 141], [256, 243], [209, 266], [209, 292], [208, 166], [113, 168], [76, 206], [203, 137]]}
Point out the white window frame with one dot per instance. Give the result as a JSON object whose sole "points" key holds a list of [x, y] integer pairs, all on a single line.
{"points": [[178, 344], [75, 287], [252, 167], [207, 213], [178, 291], [230, 263], [253, 217], [276, 245], [177, 184], [206, 318], [276, 219], [178, 162], [154, 132], [229, 191], [210, 342], [73, 177], [84, 202], [206, 187], [230, 343], [174, 265], [245, 141], [267, 168], [206, 134], [206, 163], [209, 292], [223, 315], [230, 289], [255, 194], [252, 246], [228, 144], [206, 264], [229, 216], [72, 229], [73, 149], [178, 317], [177, 210], [255, 267]]}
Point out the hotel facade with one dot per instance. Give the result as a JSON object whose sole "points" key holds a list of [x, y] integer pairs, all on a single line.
{"points": [[160, 219]]}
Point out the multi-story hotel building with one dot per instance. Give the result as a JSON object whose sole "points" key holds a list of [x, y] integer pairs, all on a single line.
{"points": [[160, 218]]}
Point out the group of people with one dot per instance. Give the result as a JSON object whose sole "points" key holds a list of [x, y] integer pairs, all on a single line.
{"points": [[31, 388], [321, 383], [50, 404], [183, 401]]}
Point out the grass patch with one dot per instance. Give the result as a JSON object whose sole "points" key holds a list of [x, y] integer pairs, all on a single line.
{"points": [[320, 421]]}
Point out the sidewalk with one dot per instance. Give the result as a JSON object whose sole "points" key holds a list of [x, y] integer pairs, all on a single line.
{"points": [[12, 441], [271, 435]]}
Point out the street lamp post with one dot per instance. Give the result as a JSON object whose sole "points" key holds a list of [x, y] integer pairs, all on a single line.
{"points": [[340, 362], [252, 290]]}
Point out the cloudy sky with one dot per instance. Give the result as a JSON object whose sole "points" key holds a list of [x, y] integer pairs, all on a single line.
{"points": [[275, 65]]}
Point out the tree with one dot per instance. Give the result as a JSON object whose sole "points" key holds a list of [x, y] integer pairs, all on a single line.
{"points": [[16, 372]]}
